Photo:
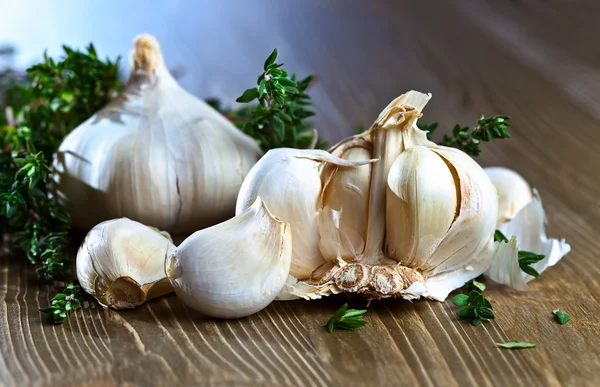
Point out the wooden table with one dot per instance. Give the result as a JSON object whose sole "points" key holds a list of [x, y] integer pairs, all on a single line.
{"points": [[534, 61]]}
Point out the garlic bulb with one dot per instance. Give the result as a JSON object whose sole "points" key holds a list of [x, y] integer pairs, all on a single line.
{"points": [[523, 223], [121, 263], [235, 268], [416, 222], [155, 154]]}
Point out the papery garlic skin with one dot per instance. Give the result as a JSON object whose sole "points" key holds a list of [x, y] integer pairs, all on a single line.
{"points": [[121, 263], [289, 182], [233, 269], [514, 192], [155, 154], [526, 231]]}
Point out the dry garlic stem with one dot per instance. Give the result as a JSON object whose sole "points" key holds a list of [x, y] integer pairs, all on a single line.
{"points": [[121, 263], [235, 268]]}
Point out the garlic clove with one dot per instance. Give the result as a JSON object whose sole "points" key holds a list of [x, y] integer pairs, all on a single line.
{"points": [[121, 263], [526, 231], [346, 192], [476, 218], [233, 269], [335, 241], [289, 182], [155, 154], [421, 206], [394, 130], [514, 192]]}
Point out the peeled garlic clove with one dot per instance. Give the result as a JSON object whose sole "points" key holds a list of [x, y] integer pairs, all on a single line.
{"points": [[422, 203], [233, 269], [155, 154], [514, 192], [289, 182], [526, 232], [121, 263]]}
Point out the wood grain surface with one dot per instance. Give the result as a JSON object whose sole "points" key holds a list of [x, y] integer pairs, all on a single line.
{"points": [[534, 61]]}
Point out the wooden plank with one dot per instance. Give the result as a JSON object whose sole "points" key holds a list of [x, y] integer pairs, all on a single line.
{"points": [[474, 57]]}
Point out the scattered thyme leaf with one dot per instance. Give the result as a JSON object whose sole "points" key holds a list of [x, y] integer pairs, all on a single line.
{"points": [[63, 304], [474, 306], [526, 259], [561, 316], [500, 237], [516, 345], [345, 318], [475, 285]]}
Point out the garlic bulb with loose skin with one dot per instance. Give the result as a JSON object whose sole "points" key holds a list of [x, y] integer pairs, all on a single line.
{"points": [[155, 154], [523, 222], [235, 268], [416, 222], [121, 263]]}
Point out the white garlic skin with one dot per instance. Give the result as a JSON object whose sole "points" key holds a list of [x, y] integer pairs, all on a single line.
{"points": [[514, 193], [121, 263], [233, 269], [155, 154]]}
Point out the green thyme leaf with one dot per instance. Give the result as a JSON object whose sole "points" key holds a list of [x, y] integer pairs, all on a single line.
{"points": [[271, 59], [345, 318], [460, 300], [63, 304], [248, 96], [561, 316], [526, 259], [499, 236], [516, 345]]}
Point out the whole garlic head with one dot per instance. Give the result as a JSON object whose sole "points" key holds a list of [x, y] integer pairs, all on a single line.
{"points": [[235, 268], [416, 222], [121, 263], [156, 154]]}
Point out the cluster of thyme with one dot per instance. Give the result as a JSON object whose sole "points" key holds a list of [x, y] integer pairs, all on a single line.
{"points": [[280, 118], [468, 139], [38, 111]]}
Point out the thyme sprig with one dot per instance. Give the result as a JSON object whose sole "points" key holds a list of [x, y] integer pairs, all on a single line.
{"points": [[469, 139]]}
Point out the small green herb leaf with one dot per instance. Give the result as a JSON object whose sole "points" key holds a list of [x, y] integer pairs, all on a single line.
{"points": [[475, 285], [248, 96], [345, 318], [271, 59], [63, 304], [516, 345], [561, 316], [526, 259], [499, 236], [460, 300]]}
